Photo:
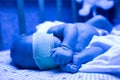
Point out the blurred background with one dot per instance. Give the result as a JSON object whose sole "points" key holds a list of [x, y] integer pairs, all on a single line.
{"points": [[19, 17]]}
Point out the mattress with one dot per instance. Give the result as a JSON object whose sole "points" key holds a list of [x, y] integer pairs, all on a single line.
{"points": [[10, 72]]}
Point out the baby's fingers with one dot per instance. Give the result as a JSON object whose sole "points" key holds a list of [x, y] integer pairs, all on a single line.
{"points": [[66, 67]]}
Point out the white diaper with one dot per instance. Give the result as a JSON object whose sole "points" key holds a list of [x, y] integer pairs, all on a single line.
{"points": [[42, 45]]}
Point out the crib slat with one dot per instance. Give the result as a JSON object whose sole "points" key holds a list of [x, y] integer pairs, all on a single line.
{"points": [[59, 9], [0, 36], [41, 4], [74, 10], [117, 11], [21, 16]]}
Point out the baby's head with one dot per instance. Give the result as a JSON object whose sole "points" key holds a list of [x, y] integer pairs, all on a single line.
{"points": [[24, 49], [21, 52]]}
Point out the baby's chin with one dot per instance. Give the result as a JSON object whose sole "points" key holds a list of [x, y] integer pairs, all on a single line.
{"points": [[57, 42]]}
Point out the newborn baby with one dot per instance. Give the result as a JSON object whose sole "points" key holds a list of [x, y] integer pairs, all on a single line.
{"points": [[61, 46]]}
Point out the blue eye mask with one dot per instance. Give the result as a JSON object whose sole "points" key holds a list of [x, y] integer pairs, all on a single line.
{"points": [[42, 45]]}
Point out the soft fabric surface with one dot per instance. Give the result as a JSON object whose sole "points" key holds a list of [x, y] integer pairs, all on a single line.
{"points": [[10, 72], [109, 61], [43, 28]]}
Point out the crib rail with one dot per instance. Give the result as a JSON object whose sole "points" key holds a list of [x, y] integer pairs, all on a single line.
{"points": [[41, 5]]}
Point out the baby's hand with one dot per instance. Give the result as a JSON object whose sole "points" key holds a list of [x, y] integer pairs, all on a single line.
{"points": [[73, 66], [61, 55]]}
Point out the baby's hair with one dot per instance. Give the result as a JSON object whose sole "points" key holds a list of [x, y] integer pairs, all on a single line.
{"points": [[21, 51]]}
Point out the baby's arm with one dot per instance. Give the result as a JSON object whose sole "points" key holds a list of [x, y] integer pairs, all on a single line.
{"points": [[68, 35], [95, 49], [88, 54]]}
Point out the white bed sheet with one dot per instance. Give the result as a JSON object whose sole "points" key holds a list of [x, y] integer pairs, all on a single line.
{"points": [[10, 72]]}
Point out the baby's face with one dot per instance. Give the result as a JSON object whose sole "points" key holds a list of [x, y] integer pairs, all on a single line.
{"points": [[57, 42]]}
